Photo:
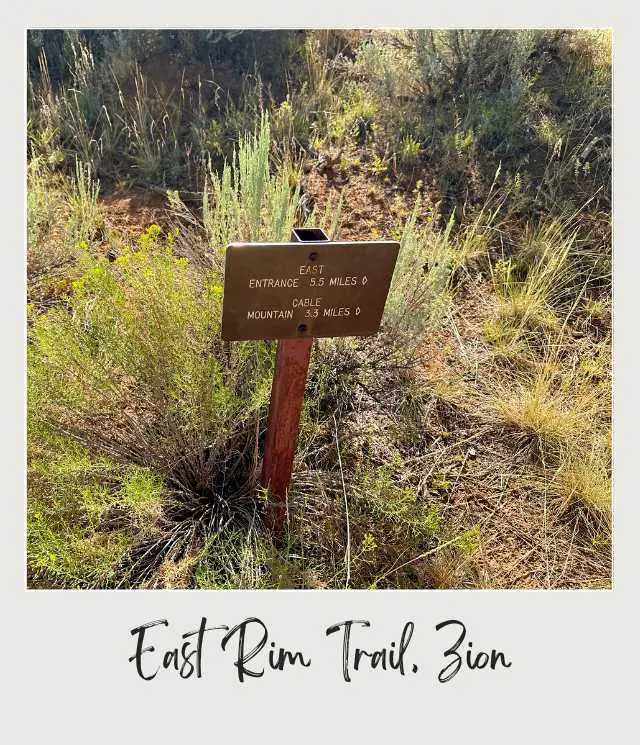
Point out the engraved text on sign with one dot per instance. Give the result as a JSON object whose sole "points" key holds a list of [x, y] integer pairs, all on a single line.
{"points": [[289, 290]]}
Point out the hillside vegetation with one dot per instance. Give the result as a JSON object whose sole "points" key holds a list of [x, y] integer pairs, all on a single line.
{"points": [[467, 445]]}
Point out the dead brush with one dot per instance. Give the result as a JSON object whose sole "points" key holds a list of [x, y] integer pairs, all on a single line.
{"points": [[373, 515]]}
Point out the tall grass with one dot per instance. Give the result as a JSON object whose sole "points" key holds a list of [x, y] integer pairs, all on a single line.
{"points": [[84, 211], [462, 100], [550, 273], [53, 243], [420, 291]]}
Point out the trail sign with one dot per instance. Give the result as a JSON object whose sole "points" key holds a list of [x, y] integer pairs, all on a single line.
{"points": [[311, 287], [307, 289]]}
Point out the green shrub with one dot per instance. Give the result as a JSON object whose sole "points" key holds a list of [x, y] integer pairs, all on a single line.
{"points": [[468, 100], [247, 203], [85, 513], [133, 370]]}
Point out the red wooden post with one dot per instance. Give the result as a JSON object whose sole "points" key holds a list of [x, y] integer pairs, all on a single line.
{"points": [[287, 394]]}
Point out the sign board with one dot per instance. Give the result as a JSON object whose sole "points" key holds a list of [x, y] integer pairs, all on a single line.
{"points": [[305, 290]]}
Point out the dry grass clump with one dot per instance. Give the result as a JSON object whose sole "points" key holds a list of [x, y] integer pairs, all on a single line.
{"points": [[533, 285], [452, 567], [442, 379], [583, 479], [552, 396], [543, 410], [561, 417], [174, 575]]}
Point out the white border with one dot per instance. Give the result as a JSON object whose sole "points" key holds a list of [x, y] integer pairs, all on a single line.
{"points": [[68, 672]]}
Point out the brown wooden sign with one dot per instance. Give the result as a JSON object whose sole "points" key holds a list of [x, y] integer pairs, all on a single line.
{"points": [[306, 289]]}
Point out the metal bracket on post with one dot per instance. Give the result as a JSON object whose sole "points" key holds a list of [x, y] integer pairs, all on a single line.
{"points": [[287, 396]]}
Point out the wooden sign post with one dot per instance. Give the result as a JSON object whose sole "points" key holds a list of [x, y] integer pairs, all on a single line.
{"points": [[294, 292], [287, 395]]}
